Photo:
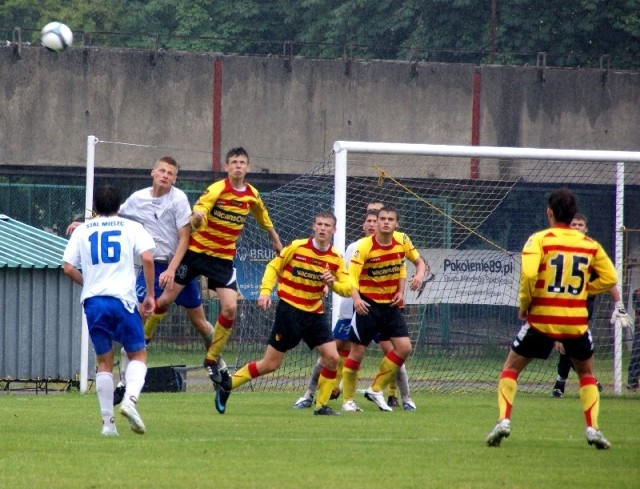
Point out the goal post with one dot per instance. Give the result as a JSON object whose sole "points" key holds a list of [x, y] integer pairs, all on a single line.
{"points": [[344, 150]]}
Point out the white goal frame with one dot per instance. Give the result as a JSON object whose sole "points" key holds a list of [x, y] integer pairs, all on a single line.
{"points": [[343, 148]]}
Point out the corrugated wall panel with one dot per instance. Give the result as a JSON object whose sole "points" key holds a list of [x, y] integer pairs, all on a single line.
{"points": [[40, 334]]}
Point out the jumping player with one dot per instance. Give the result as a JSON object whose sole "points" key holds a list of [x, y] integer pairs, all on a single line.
{"points": [[218, 219]]}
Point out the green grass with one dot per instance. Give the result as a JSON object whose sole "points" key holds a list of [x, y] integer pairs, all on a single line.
{"points": [[54, 441]]}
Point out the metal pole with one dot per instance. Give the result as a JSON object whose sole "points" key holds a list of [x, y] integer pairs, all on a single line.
{"points": [[92, 141]]}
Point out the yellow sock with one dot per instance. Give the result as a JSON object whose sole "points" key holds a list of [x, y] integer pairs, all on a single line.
{"points": [[221, 333], [349, 379], [343, 356], [151, 324], [326, 382], [392, 388], [507, 388], [244, 375], [590, 400], [388, 369]]}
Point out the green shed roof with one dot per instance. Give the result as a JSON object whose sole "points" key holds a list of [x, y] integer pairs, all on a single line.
{"points": [[24, 246]]}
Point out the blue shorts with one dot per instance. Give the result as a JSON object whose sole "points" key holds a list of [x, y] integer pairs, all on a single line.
{"points": [[189, 298], [341, 329], [108, 320]]}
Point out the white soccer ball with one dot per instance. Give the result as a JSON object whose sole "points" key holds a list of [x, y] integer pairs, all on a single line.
{"points": [[56, 37]]}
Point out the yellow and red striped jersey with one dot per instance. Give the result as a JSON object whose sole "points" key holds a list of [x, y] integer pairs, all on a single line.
{"points": [[376, 268], [226, 210], [554, 280], [298, 269]]}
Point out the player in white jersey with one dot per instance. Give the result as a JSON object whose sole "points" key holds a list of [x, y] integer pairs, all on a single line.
{"points": [[105, 249], [165, 213], [341, 335]]}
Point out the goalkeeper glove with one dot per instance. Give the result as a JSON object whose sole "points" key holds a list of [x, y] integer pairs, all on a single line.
{"points": [[620, 314]]}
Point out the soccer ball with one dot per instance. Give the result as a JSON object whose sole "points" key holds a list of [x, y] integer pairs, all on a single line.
{"points": [[56, 37]]}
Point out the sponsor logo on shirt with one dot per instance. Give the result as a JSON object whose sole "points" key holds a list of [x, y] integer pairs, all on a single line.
{"points": [[308, 274], [383, 271], [228, 216]]}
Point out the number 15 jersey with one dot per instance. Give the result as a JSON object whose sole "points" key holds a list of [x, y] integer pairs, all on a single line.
{"points": [[554, 283]]}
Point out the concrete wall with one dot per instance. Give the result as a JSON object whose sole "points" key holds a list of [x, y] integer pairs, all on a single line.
{"points": [[289, 113]]}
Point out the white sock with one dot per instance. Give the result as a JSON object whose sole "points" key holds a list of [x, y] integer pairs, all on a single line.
{"points": [[104, 388], [402, 379], [207, 338], [124, 361], [313, 381], [134, 378]]}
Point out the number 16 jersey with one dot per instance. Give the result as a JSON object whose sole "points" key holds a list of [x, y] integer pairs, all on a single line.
{"points": [[105, 248]]}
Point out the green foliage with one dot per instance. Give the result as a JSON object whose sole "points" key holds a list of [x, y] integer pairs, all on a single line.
{"points": [[54, 441], [575, 33]]}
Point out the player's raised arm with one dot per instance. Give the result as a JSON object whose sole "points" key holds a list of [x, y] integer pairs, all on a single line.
{"points": [[204, 204]]}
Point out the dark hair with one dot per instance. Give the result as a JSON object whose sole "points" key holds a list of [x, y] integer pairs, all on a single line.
{"points": [[375, 202], [389, 209], [581, 217], [564, 205], [169, 160], [106, 200], [326, 214], [371, 212], [239, 151]]}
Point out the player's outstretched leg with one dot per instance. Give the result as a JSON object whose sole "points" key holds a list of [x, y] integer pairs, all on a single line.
{"points": [[223, 391]]}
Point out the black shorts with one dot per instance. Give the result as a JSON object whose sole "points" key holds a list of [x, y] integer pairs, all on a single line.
{"points": [[220, 273], [383, 319], [531, 343], [292, 325]]}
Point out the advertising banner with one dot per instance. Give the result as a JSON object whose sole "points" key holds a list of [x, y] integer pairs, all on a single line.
{"points": [[467, 277]]}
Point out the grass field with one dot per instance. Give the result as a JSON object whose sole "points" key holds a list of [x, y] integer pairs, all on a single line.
{"points": [[54, 441]]}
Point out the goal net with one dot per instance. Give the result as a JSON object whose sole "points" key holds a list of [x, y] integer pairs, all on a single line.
{"points": [[469, 211]]}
